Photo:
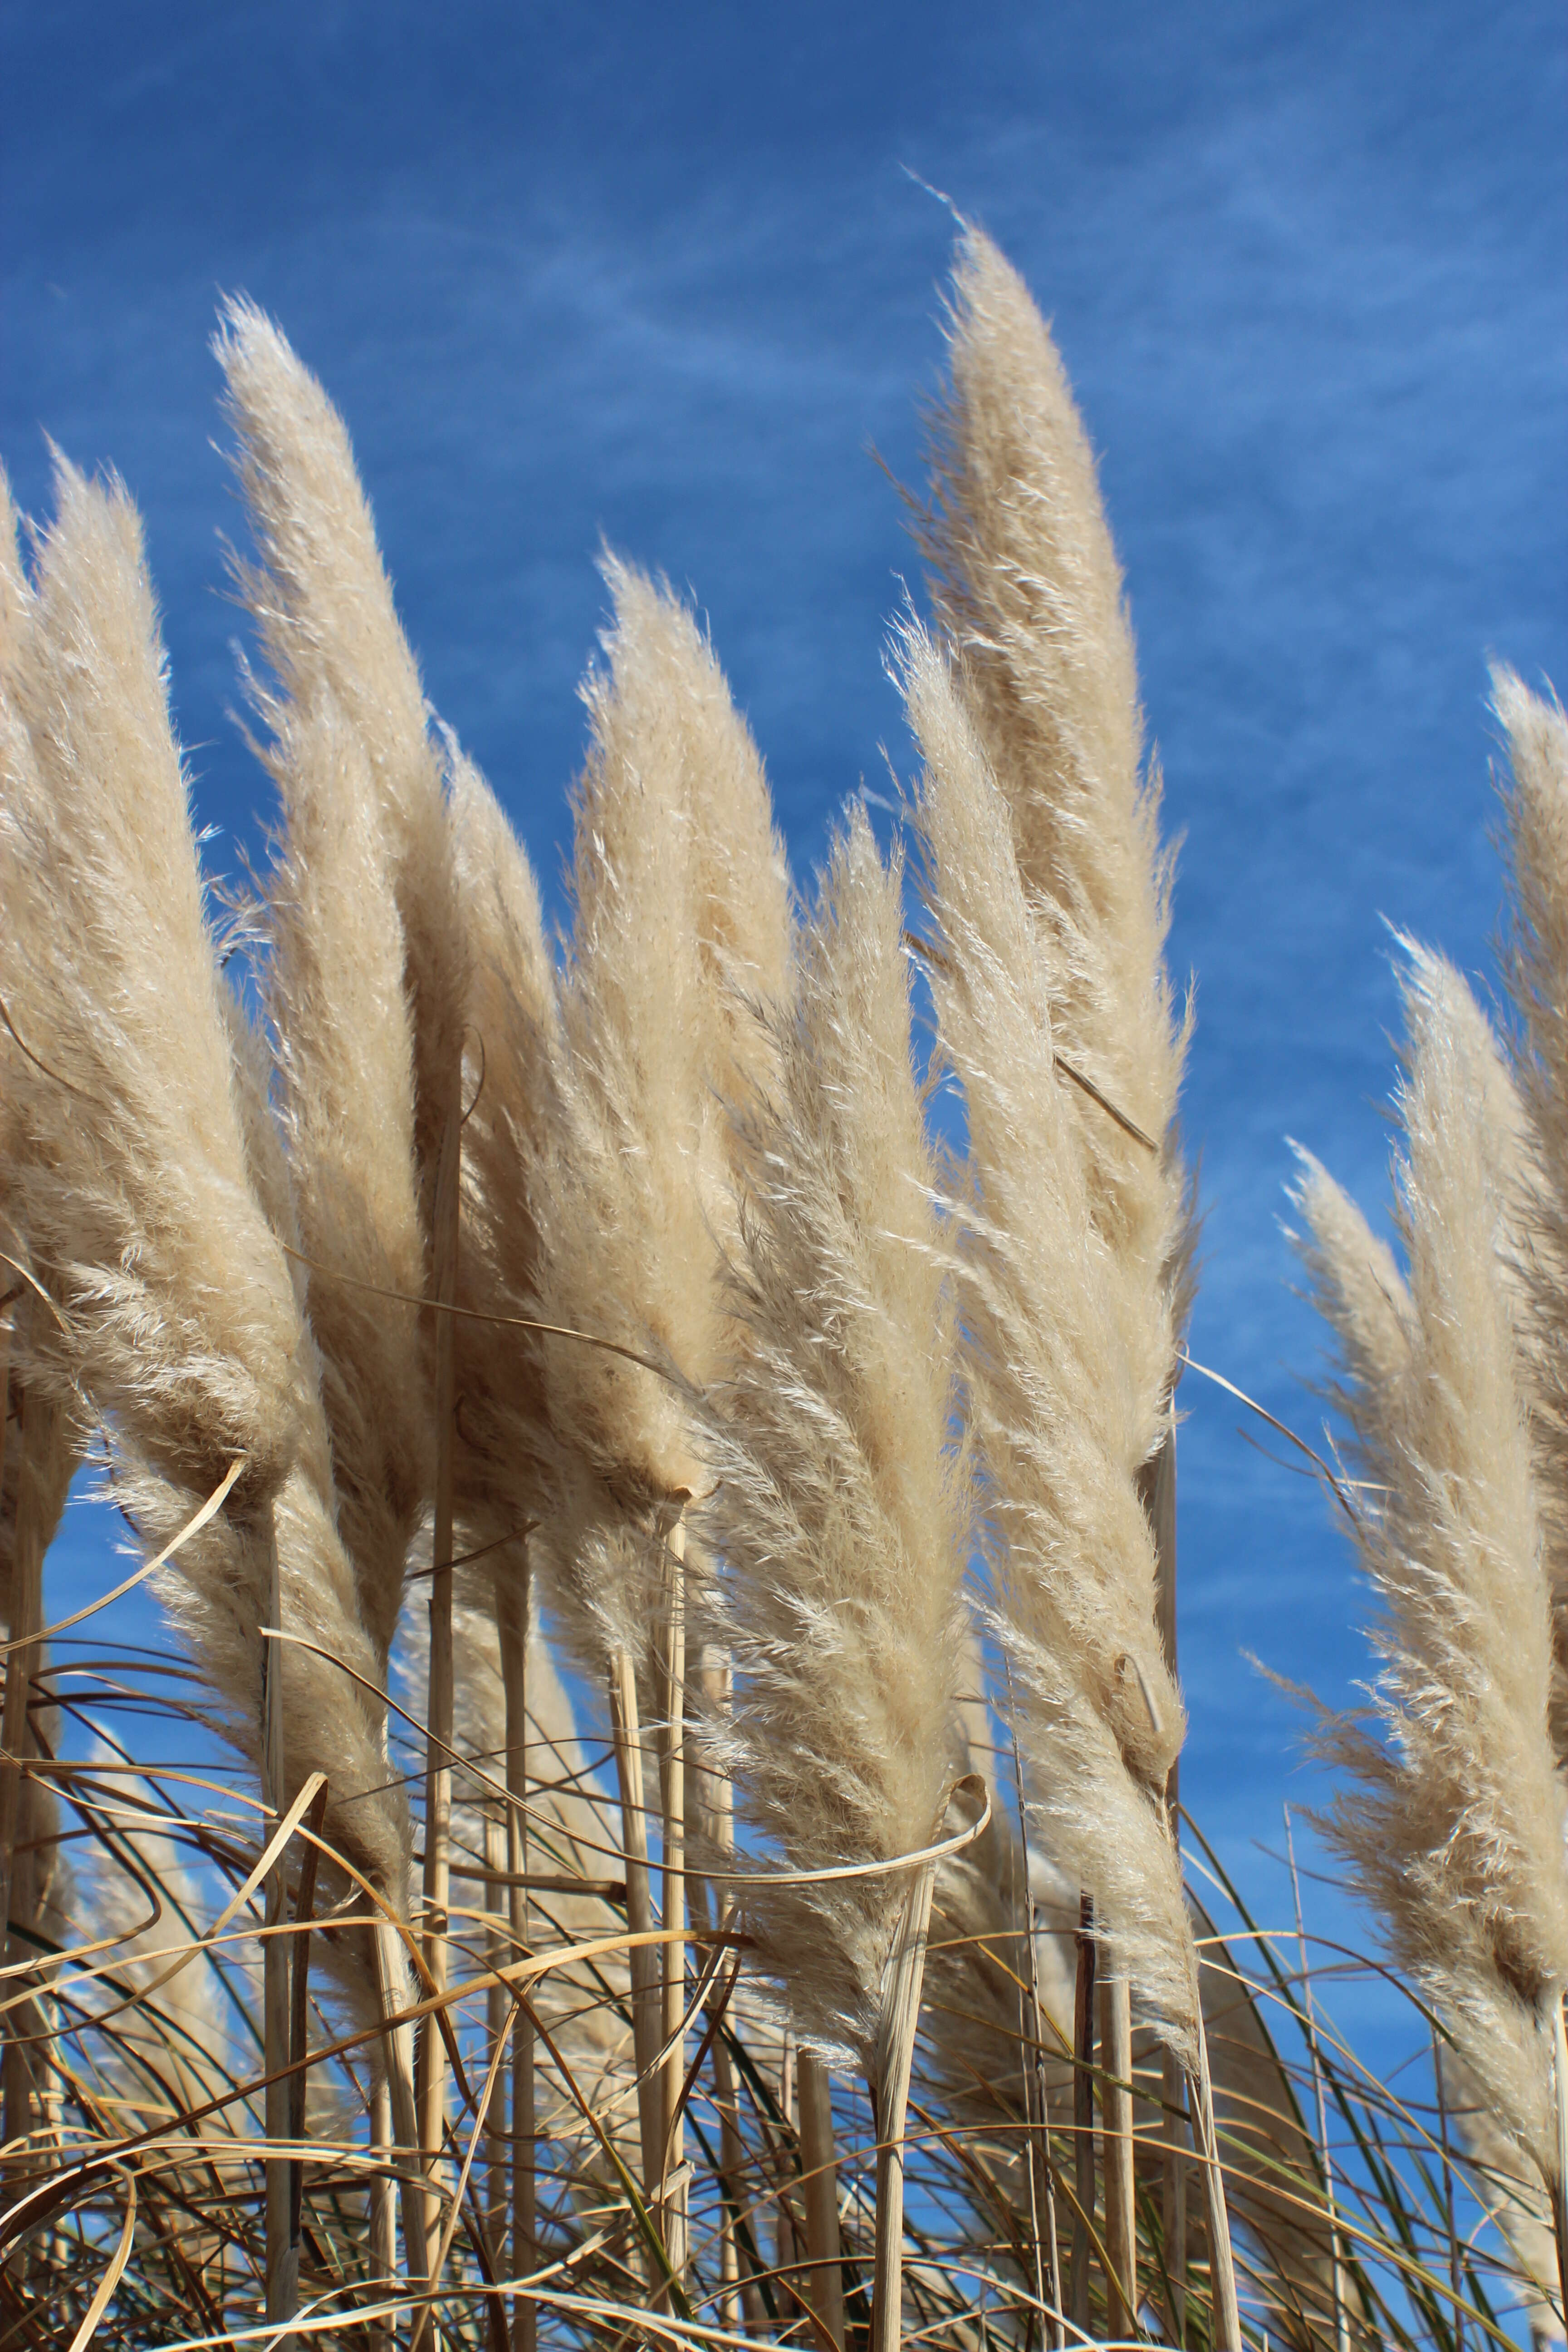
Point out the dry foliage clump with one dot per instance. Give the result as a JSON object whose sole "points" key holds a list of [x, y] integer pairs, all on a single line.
{"points": [[572, 1379]]}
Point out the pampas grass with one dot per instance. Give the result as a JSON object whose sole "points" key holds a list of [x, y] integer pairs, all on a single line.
{"points": [[839, 1503], [174, 1311], [1452, 1823], [626, 1276], [1536, 808]]}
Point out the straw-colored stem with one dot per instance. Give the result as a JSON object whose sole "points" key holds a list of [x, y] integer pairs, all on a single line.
{"points": [[1157, 1488], [786, 2247], [18, 1868], [1083, 2112], [644, 1966], [716, 1807], [298, 2026], [1173, 2192], [512, 1623], [277, 1993], [1451, 2216], [397, 2048], [1042, 2172], [819, 2167], [1560, 2185], [431, 2080], [893, 2061], [1225, 2332], [1325, 2153], [1116, 2137], [5, 1315], [497, 1952], [672, 1793], [382, 2206]]}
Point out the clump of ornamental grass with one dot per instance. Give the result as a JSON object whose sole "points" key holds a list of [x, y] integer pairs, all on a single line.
{"points": [[1040, 698], [839, 1505], [629, 1277], [170, 1317], [1451, 1821]]}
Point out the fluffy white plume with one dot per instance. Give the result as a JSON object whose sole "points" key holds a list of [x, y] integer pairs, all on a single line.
{"points": [[127, 1172], [1453, 1824], [839, 1500], [1058, 1399]]}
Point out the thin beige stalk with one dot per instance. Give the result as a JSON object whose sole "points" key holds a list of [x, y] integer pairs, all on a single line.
{"points": [[1157, 1487], [497, 2007], [512, 1609], [1116, 2139], [37, 1513], [1559, 2180], [1225, 2318], [398, 2052], [1325, 2153], [716, 1814], [891, 2065], [277, 2001], [432, 2057], [383, 2205], [1083, 2114], [819, 2167], [625, 1731], [672, 1788]]}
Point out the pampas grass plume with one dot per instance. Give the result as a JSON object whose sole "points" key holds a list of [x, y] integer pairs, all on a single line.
{"points": [[1453, 1825], [1058, 1408], [839, 1498]]}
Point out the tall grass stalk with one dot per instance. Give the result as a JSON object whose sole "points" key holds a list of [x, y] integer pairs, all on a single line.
{"points": [[22, 1802], [819, 2194], [431, 2093], [277, 1994], [891, 2063], [1083, 2114], [635, 1274], [513, 1598], [670, 1664], [1116, 2142]]}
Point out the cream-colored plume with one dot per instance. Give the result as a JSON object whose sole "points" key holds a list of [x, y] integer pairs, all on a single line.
{"points": [[1536, 810], [1360, 1294], [1509, 2187], [323, 604], [1058, 1402], [344, 1051], [505, 1465], [127, 1176], [1453, 1823], [839, 1492], [15, 596], [633, 1163], [1029, 593]]}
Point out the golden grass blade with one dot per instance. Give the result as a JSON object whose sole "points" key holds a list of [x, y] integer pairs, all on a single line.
{"points": [[1226, 2318], [113, 2275], [194, 1525]]}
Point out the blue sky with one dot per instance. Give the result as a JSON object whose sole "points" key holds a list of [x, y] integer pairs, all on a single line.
{"points": [[663, 275]]}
